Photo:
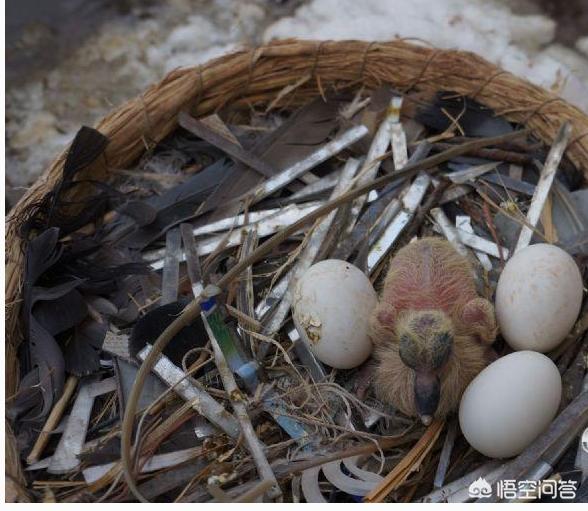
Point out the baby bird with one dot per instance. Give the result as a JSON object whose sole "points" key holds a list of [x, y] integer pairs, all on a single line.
{"points": [[431, 331]]}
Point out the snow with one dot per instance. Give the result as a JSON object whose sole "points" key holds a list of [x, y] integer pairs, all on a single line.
{"points": [[517, 43]]}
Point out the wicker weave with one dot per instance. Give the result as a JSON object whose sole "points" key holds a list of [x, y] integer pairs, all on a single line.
{"points": [[255, 77]]}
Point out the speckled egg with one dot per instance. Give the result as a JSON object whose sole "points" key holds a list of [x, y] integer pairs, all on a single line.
{"points": [[538, 297], [332, 303], [510, 403]]}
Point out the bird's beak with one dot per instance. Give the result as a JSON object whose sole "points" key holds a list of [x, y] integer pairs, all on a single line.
{"points": [[427, 390]]}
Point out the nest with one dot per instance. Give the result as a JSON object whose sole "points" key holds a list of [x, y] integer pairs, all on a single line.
{"points": [[281, 77]]}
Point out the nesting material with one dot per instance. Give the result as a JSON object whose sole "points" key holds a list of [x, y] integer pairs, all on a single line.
{"points": [[186, 272]]}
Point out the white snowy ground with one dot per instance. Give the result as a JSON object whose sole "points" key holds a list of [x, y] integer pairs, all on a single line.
{"points": [[123, 57]]}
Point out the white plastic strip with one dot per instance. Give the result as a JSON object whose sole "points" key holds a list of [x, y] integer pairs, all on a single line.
{"points": [[410, 202], [463, 223], [449, 231], [265, 227], [330, 149], [544, 185], [198, 398]]}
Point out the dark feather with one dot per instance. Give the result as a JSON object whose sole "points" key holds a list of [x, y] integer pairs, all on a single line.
{"points": [[180, 203], [42, 252], [148, 328], [141, 212], [295, 139], [82, 352], [44, 350], [48, 358], [98, 274], [475, 119], [300, 134], [54, 210], [43, 358], [102, 305], [62, 313], [87, 145], [125, 299], [27, 398], [98, 199], [99, 264]]}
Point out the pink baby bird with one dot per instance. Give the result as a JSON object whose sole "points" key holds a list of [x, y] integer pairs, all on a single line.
{"points": [[431, 330]]}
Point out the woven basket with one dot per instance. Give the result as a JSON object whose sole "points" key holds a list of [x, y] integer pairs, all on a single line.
{"points": [[256, 77]]}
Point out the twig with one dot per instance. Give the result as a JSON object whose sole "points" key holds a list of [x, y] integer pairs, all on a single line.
{"points": [[410, 201], [471, 173], [287, 176], [199, 399], [52, 420], [214, 245], [255, 492], [525, 494], [504, 211], [407, 465], [244, 320], [451, 492], [491, 154], [192, 260], [549, 229], [472, 240], [492, 228], [253, 443], [245, 300], [71, 442], [463, 225], [232, 222], [398, 135], [377, 216], [285, 470]]}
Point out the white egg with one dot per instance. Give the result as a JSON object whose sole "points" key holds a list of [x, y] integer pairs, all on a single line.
{"points": [[510, 403], [332, 304], [538, 297]]}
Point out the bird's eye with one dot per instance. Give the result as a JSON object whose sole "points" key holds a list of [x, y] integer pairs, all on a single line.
{"points": [[444, 339], [442, 349], [407, 351]]}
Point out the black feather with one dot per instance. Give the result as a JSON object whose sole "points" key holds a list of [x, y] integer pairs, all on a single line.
{"points": [[141, 212], [180, 203], [475, 119], [82, 352], [87, 145], [41, 253], [148, 328], [61, 313], [54, 210]]}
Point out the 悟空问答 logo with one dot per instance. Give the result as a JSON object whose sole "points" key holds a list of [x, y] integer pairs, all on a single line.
{"points": [[480, 488]]}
